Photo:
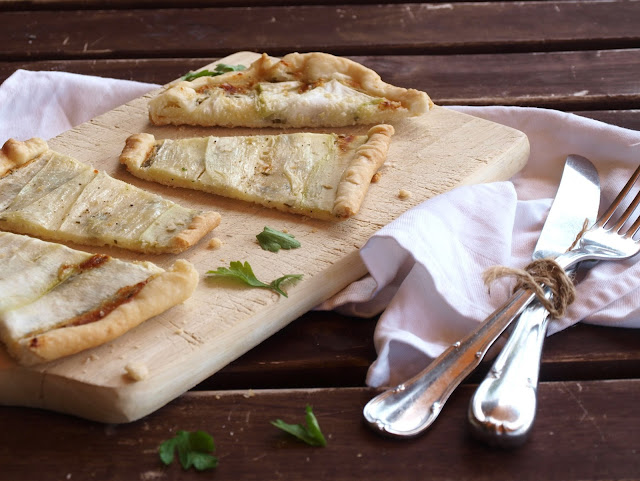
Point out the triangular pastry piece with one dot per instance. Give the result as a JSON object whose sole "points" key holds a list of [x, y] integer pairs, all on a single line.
{"points": [[53, 196], [300, 90], [324, 176], [56, 301]]}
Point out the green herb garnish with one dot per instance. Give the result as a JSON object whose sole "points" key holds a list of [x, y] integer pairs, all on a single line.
{"points": [[218, 70], [243, 272], [194, 449], [309, 433], [273, 240]]}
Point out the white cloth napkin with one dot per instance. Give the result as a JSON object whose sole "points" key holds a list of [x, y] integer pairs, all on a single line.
{"points": [[425, 267], [45, 104]]}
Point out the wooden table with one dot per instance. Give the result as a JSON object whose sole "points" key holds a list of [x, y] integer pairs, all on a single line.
{"points": [[581, 57]]}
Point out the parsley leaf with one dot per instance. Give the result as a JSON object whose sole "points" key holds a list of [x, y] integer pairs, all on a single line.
{"points": [[310, 432], [243, 272], [218, 70], [194, 449], [273, 240]]}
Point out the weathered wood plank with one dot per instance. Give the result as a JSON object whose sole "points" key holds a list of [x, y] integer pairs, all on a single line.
{"points": [[584, 430], [323, 349], [343, 29], [18, 5], [629, 119], [590, 80]]}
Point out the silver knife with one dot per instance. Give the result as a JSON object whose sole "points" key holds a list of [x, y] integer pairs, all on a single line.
{"points": [[503, 408], [411, 407]]}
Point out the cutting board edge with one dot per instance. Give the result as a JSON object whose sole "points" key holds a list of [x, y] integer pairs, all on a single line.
{"points": [[128, 401], [41, 382]]}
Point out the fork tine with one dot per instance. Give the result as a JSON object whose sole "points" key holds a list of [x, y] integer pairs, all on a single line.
{"points": [[631, 231], [627, 213], [606, 217]]}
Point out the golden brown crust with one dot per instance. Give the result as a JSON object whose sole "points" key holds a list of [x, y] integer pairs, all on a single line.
{"points": [[200, 225], [162, 292], [357, 176], [316, 66], [15, 153], [183, 102], [137, 149]]}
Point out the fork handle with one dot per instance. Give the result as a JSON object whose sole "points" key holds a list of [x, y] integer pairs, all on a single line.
{"points": [[411, 407], [503, 408]]}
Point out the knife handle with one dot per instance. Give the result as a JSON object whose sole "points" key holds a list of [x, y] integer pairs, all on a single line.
{"points": [[411, 407], [503, 408]]}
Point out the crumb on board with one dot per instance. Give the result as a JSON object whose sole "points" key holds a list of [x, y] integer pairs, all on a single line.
{"points": [[91, 358], [137, 371], [214, 243], [376, 177], [403, 194], [249, 394]]}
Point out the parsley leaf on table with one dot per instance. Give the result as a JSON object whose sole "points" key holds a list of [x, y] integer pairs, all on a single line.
{"points": [[218, 70], [243, 272], [273, 240], [310, 432], [194, 449]]}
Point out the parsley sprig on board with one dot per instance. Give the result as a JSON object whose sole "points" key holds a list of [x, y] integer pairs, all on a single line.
{"points": [[218, 70], [244, 273], [194, 450], [309, 432], [273, 240]]}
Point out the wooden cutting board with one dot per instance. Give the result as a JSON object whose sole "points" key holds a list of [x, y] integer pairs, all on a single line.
{"points": [[429, 155]]}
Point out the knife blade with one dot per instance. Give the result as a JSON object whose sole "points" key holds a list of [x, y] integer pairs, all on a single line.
{"points": [[503, 408], [411, 407]]}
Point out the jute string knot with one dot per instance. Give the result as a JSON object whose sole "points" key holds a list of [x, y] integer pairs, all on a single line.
{"points": [[542, 271]]}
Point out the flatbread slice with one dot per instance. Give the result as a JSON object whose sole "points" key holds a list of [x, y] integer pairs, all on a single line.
{"points": [[53, 196], [325, 176], [300, 90], [56, 301]]}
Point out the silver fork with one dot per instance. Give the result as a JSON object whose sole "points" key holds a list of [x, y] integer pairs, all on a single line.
{"points": [[410, 408]]}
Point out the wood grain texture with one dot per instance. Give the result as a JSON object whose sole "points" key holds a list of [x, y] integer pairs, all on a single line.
{"points": [[582, 432], [325, 349], [429, 155], [589, 80], [343, 30], [490, 53]]}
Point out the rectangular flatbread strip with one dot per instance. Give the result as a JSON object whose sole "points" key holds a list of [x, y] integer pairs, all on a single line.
{"points": [[324, 176], [53, 196], [56, 301], [300, 90]]}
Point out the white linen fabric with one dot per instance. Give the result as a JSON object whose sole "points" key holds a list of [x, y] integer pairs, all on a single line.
{"points": [[426, 267], [45, 104]]}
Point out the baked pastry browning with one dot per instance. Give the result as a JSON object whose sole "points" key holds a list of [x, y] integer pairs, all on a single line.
{"points": [[53, 196], [324, 176], [56, 301], [300, 90]]}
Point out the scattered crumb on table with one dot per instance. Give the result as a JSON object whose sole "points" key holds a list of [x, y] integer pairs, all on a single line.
{"points": [[214, 243], [403, 194], [137, 371]]}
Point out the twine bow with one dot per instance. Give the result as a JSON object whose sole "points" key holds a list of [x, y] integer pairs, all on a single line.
{"points": [[542, 271]]}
